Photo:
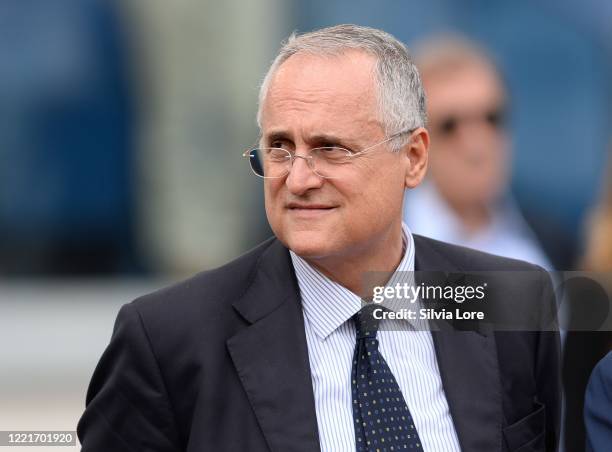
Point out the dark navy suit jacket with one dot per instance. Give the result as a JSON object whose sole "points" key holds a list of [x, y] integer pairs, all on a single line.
{"points": [[598, 407], [219, 362]]}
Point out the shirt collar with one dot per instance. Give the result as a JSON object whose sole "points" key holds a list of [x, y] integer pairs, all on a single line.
{"points": [[327, 304]]}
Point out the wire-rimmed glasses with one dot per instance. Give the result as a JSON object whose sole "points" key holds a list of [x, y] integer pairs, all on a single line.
{"points": [[276, 162]]}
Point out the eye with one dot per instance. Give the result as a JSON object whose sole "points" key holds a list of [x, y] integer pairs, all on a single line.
{"points": [[333, 154], [276, 154]]}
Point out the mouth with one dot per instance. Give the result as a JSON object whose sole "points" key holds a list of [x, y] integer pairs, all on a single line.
{"points": [[309, 209]]}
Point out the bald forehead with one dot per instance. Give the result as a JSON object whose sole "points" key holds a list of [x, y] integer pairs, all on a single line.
{"points": [[342, 82], [478, 68], [349, 74]]}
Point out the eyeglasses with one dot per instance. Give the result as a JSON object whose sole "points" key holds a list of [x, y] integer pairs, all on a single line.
{"points": [[276, 162], [494, 118]]}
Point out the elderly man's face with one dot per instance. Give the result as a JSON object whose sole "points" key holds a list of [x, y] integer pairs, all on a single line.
{"points": [[318, 101], [469, 145]]}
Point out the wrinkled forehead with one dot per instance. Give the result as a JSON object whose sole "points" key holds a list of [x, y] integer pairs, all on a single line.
{"points": [[348, 75], [322, 89]]}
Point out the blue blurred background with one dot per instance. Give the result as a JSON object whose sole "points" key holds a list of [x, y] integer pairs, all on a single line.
{"points": [[122, 125]]}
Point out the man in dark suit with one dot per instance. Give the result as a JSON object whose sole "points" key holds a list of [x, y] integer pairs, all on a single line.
{"points": [[273, 351]]}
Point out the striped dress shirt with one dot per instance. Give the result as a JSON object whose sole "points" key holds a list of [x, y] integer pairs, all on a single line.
{"points": [[408, 350]]}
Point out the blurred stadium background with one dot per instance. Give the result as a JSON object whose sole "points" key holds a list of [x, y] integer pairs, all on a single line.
{"points": [[122, 125]]}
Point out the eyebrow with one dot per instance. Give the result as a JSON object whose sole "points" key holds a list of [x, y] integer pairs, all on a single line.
{"points": [[276, 136], [318, 138], [326, 138]]}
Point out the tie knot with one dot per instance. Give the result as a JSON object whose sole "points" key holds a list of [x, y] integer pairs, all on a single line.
{"points": [[366, 324]]}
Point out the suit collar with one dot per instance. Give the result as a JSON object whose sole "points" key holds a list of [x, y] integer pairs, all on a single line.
{"points": [[271, 355], [271, 282], [327, 304], [467, 361]]}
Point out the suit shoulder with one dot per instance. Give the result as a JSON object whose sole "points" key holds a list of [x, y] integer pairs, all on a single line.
{"points": [[469, 259], [598, 400], [603, 371]]}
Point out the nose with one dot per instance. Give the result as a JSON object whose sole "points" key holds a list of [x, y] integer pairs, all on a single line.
{"points": [[302, 178]]}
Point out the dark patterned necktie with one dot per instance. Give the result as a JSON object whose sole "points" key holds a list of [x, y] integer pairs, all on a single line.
{"points": [[382, 419]]}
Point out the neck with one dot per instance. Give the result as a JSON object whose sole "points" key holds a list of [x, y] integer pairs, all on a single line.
{"points": [[350, 270]]}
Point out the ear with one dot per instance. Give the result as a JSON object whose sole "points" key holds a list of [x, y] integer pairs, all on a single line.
{"points": [[417, 152]]}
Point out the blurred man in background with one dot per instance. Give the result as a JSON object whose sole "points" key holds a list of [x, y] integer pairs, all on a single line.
{"points": [[466, 200]]}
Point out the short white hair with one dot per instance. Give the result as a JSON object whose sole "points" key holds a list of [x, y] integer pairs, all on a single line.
{"points": [[400, 94]]}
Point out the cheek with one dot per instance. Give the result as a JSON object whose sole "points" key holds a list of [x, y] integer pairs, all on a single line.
{"points": [[379, 191], [442, 154], [272, 195], [447, 165]]}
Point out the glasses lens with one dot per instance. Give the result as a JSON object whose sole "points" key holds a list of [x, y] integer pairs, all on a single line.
{"points": [[448, 126], [328, 158], [270, 162], [255, 162], [496, 118], [493, 118]]}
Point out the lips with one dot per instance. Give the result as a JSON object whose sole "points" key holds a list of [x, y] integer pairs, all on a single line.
{"points": [[309, 211], [300, 206]]}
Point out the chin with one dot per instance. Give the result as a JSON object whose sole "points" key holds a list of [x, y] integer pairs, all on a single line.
{"points": [[308, 244]]}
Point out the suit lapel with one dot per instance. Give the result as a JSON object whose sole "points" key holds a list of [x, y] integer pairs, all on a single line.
{"points": [[271, 355], [468, 366], [271, 358]]}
